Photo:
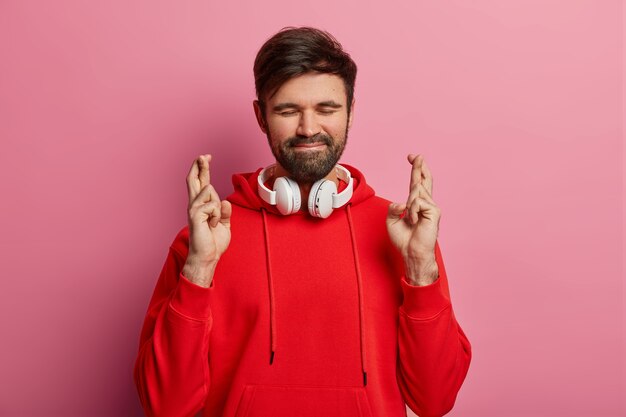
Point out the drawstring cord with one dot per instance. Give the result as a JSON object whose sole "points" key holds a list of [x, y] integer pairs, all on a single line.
{"points": [[270, 285], [360, 287]]}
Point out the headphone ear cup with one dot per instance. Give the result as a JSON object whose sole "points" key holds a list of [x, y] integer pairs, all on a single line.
{"points": [[320, 202], [287, 195]]}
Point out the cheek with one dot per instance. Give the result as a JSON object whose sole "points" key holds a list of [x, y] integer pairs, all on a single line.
{"points": [[277, 136], [337, 129], [281, 130]]}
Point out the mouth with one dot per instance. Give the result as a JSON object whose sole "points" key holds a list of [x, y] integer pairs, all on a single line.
{"points": [[310, 146]]}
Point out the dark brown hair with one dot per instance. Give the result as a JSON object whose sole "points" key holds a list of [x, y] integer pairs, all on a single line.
{"points": [[296, 51]]}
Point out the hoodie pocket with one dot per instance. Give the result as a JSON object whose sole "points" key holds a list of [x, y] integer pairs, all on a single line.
{"points": [[303, 401]]}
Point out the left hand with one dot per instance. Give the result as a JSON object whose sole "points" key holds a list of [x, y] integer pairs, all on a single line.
{"points": [[415, 234]]}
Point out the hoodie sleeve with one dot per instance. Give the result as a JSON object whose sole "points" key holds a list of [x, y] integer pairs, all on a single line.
{"points": [[171, 371], [434, 353]]}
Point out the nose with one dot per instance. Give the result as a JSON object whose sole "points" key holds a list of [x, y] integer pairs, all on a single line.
{"points": [[308, 125]]}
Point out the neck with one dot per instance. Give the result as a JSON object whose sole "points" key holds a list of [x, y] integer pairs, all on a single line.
{"points": [[305, 187]]}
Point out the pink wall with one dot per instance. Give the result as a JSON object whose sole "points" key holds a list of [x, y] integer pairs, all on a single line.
{"points": [[517, 106]]}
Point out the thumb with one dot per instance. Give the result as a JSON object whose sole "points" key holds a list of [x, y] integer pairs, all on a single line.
{"points": [[226, 211], [395, 210]]}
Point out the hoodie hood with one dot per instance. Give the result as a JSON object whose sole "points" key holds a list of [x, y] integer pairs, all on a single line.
{"points": [[246, 195]]}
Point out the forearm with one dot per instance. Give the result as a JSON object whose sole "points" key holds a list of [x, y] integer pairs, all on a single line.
{"points": [[171, 369], [434, 353], [434, 357]]}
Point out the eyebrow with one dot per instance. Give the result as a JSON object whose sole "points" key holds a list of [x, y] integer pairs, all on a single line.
{"points": [[328, 103]]}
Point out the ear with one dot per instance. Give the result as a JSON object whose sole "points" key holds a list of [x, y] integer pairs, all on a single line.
{"points": [[259, 116], [351, 114]]}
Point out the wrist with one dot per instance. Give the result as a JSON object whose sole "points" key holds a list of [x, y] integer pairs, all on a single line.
{"points": [[198, 271], [421, 271]]}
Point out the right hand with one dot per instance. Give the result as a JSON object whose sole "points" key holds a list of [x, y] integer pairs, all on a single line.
{"points": [[209, 224]]}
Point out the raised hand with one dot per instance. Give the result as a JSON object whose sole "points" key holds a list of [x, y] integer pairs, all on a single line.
{"points": [[415, 234], [209, 224]]}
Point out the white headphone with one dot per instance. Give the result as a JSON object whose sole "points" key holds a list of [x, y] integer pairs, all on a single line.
{"points": [[323, 197]]}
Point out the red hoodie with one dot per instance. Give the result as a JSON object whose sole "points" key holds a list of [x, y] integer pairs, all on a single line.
{"points": [[304, 317]]}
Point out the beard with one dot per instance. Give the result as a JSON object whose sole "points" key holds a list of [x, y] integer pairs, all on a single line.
{"points": [[308, 166]]}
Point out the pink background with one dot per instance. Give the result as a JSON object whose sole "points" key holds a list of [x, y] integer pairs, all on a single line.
{"points": [[517, 106]]}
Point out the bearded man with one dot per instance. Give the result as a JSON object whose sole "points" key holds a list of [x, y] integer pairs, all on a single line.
{"points": [[303, 292]]}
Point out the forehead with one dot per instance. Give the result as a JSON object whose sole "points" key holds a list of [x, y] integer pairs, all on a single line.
{"points": [[311, 88]]}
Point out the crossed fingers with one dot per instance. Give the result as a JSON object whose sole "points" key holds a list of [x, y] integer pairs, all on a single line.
{"points": [[198, 176], [201, 192], [420, 187]]}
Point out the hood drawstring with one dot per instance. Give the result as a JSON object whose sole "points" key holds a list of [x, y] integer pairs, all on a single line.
{"points": [[270, 284], [360, 287]]}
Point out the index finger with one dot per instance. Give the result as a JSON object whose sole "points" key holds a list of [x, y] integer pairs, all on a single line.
{"points": [[193, 183], [205, 175], [416, 171]]}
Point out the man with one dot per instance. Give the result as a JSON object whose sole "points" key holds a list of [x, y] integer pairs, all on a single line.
{"points": [[303, 293]]}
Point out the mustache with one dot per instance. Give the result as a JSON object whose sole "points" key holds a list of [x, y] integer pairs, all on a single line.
{"points": [[320, 137]]}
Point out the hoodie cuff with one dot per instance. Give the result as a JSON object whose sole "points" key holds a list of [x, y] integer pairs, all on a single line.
{"points": [[192, 300], [423, 302]]}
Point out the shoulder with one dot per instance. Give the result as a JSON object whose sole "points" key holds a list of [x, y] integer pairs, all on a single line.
{"points": [[380, 201], [369, 216], [180, 244], [374, 204]]}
